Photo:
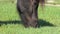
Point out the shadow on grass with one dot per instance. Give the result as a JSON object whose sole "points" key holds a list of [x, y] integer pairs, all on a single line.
{"points": [[40, 23], [11, 22]]}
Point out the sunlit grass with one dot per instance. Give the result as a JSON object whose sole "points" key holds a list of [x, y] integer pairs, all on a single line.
{"points": [[8, 12]]}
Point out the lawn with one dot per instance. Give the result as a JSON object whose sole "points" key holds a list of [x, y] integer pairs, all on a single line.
{"points": [[9, 15]]}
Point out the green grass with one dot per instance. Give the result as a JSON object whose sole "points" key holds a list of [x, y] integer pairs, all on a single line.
{"points": [[51, 14], [57, 1], [18, 29], [8, 12]]}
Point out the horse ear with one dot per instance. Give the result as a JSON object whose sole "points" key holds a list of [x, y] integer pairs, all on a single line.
{"points": [[42, 4]]}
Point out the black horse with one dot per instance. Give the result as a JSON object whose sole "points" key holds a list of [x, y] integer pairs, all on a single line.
{"points": [[28, 11]]}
